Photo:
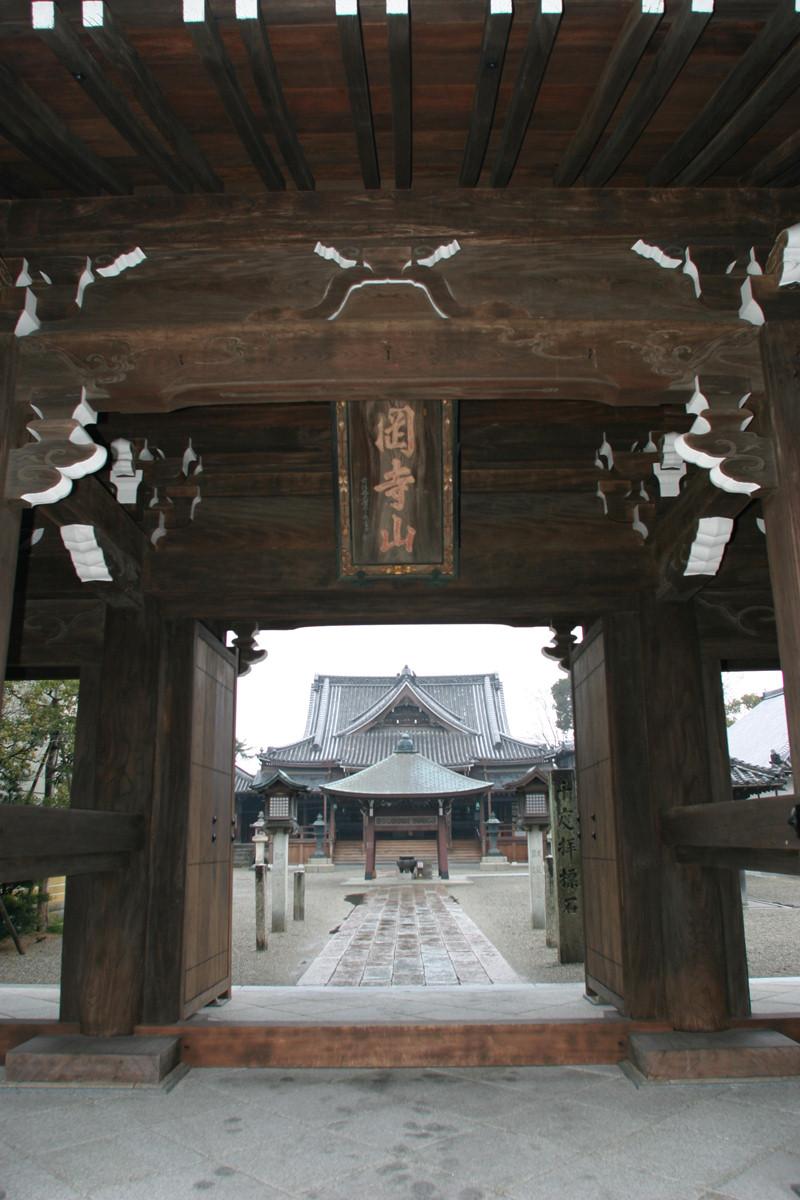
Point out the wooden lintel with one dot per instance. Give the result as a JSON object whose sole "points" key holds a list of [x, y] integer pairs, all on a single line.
{"points": [[192, 223], [777, 862], [759, 823], [36, 842]]}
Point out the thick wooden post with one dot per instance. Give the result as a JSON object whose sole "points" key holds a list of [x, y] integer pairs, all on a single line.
{"points": [[693, 931], [441, 843], [369, 845], [780, 350], [103, 963], [9, 512]]}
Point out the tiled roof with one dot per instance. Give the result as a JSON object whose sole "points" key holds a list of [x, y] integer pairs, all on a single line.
{"points": [[406, 773], [758, 779], [760, 731], [462, 721]]}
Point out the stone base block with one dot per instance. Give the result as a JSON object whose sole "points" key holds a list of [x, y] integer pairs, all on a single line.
{"points": [[732, 1054], [319, 864], [121, 1061], [490, 863]]}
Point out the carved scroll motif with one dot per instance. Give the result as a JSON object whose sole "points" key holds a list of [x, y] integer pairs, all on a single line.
{"points": [[42, 472], [174, 501], [563, 642], [621, 487], [418, 273], [249, 652], [737, 459]]}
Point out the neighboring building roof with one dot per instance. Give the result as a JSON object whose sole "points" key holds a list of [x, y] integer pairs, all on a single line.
{"points": [[406, 774], [456, 720], [242, 779], [754, 779], [761, 731], [268, 776]]}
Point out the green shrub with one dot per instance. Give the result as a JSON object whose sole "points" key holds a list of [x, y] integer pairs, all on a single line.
{"points": [[20, 900]]}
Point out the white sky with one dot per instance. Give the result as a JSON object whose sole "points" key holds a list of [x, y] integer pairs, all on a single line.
{"points": [[273, 698]]}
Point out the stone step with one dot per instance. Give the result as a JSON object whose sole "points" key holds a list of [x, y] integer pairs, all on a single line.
{"points": [[730, 1054], [74, 1058]]}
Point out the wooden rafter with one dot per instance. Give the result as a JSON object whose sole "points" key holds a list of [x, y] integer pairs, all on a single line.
{"points": [[111, 40], [682, 37], [32, 126], [781, 166], [84, 68], [496, 29], [622, 62], [355, 66], [255, 37], [771, 94], [398, 21], [541, 39], [208, 42], [762, 55]]}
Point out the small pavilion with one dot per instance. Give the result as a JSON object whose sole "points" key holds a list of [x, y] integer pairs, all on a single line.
{"points": [[418, 782]]}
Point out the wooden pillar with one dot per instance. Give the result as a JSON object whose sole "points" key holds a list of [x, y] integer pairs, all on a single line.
{"points": [[780, 350], [693, 931], [103, 960], [441, 842], [9, 512], [369, 844], [482, 824], [729, 882]]}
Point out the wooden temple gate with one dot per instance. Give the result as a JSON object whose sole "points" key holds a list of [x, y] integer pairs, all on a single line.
{"points": [[619, 360]]}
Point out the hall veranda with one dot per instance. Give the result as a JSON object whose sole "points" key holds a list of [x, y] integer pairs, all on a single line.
{"points": [[342, 383]]}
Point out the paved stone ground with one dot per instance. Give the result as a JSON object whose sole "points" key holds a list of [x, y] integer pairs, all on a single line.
{"points": [[523, 1133], [408, 936]]}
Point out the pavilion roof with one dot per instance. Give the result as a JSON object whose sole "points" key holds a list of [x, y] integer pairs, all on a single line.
{"points": [[409, 774]]}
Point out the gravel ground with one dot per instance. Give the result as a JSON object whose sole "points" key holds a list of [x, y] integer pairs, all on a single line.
{"points": [[497, 905]]}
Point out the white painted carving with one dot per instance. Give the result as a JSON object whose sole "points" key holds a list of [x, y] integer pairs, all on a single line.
{"points": [[160, 531], [601, 497], [653, 6], [690, 269], [790, 272], [397, 8], [697, 405], [439, 255], [332, 255], [671, 470], [730, 267], [83, 414], [87, 557], [605, 452], [392, 280], [43, 14], [125, 479], [246, 10], [753, 265], [347, 8], [552, 6], [750, 310], [194, 10], [27, 321], [705, 6], [656, 254], [123, 262], [197, 500], [649, 447], [762, 525], [86, 278], [24, 277], [46, 278], [638, 524], [500, 6], [708, 547], [189, 457], [92, 14]]}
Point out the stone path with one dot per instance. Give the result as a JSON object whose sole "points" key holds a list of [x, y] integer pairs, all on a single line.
{"points": [[408, 936]]}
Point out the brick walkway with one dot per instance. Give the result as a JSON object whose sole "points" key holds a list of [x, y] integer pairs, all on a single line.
{"points": [[412, 935]]}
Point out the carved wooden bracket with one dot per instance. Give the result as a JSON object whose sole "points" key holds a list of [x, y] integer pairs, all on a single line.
{"points": [[621, 487], [357, 273], [174, 502], [245, 643], [563, 642], [42, 472], [34, 296], [737, 459]]}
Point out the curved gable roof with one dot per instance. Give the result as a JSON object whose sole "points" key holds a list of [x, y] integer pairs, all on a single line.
{"points": [[407, 689]]}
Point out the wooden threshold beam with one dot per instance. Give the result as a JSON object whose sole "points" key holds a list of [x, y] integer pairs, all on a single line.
{"points": [[255, 36], [111, 40], [496, 28], [84, 68], [759, 823], [355, 67], [671, 216], [32, 126], [763, 102], [761, 56], [623, 60], [682, 37], [209, 45], [541, 39], [398, 21], [36, 842]]}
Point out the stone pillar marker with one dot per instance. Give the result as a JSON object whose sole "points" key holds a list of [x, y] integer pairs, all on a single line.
{"points": [[259, 867], [441, 842], [567, 871], [535, 819], [280, 878], [299, 894]]}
